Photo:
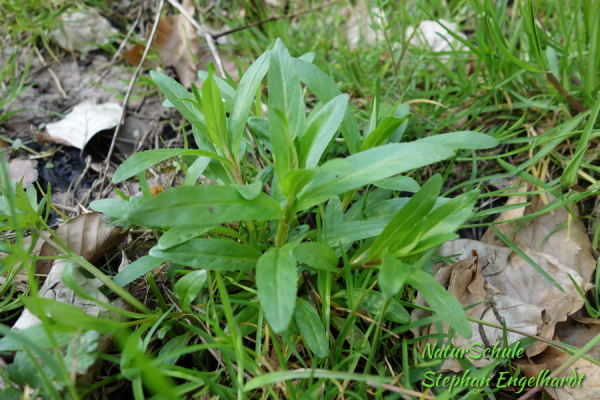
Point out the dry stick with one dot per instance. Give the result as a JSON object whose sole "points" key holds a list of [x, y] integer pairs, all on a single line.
{"points": [[121, 46], [400, 390], [270, 19], [210, 39], [129, 90], [573, 103]]}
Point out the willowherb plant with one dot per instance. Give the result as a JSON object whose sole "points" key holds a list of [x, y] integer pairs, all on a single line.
{"points": [[279, 213]]}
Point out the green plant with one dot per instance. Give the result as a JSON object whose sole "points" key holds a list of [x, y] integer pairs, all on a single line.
{"points": [[279, 202]]}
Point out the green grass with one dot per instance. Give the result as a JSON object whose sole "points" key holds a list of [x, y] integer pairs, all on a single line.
{"points": [[218, 341]]}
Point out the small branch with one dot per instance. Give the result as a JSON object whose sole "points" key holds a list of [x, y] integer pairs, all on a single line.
{"points": [[210, 39], [573, 103], [271, 19], [130, 89]]}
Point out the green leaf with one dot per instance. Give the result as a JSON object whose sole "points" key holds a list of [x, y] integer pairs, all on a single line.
{"points": [[118, 209], [68, 315], [251, 191], [341, 175], [195, 170], [277, 284], [352, 231], [227, 91], [311, 327], [403, 230], [286, 109], [462, 140], [285, 90], [373, 302], [204, 205], [316, 255], [309, 373], [214, 254], [180, 98], [294, 181], [325, 88], [382, 132], [445, 304], [140, 162], [259, 127], [321, 128], [188, 288], [448, 217], [38, 335], [244, 97], [81, 353], [399, 183], [136, 269], [500, 43], [214, 112], [181, 234], [570, 173], [392, 275]]}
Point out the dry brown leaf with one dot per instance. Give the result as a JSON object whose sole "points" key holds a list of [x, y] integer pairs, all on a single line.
{"points": [[552, 359], [515, 291], [87, 235], [178, 45], [23, 169]]}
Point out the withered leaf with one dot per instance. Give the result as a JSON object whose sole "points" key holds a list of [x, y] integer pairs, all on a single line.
{"points": [[87, 235]]}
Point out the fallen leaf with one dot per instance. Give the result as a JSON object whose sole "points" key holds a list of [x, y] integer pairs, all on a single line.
{"points": [[86, 119], [87, 235], [551, 359], [83, 31], [23, 169], [156, 189], [178, 46], [515, 291]]}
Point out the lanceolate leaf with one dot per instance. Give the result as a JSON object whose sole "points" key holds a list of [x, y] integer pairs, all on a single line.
{"points": [[462, 140], [184, 206], [216, 254], [244, 96], [341, 175], [316, 255], [325, 88], [214, 112], [311, 328], [382, 132], [445, 305], [277, 284], [321, 128], [286, 109], [179, 97], [284, 88], [188, 288], [142, 161], [294, 181], [391, 275], [136, 269], [450, 216], [399, 232]]}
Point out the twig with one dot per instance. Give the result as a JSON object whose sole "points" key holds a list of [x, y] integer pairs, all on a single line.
{"points": [[270, 19], [400, 390], [54, 77], [121, 46], [210, 39], [573, 103], [129, 90]]}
